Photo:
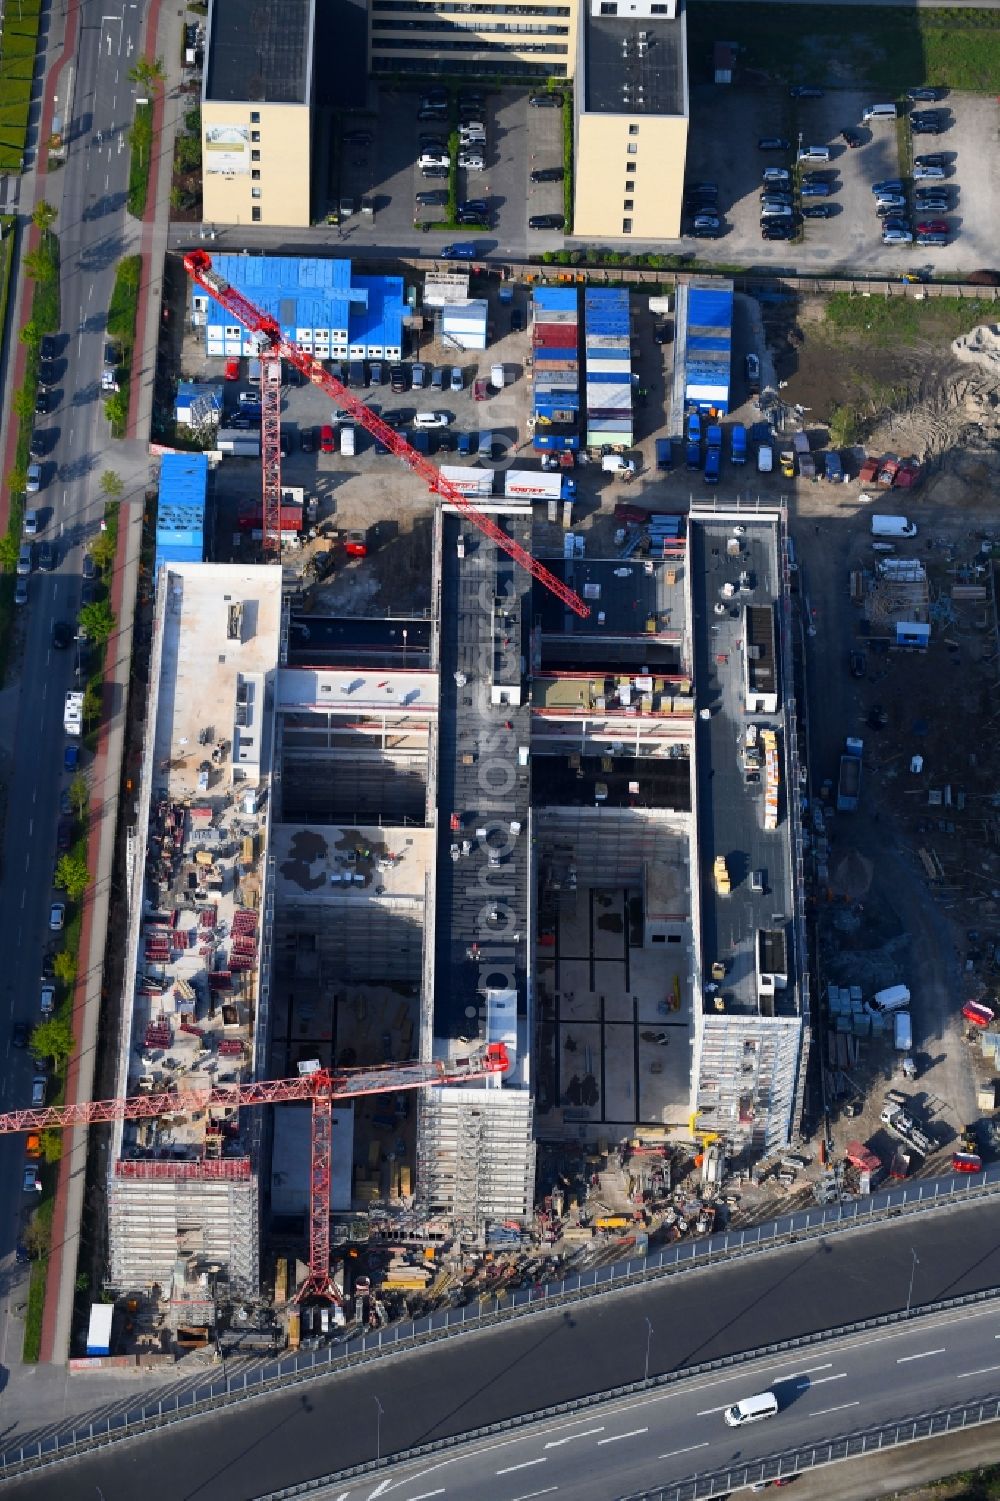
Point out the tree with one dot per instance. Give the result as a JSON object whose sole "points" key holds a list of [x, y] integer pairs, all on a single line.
{"points": [[53, 1038], [64, 966], [51, 1143], [39, 266], [147, 73], [103, 549], [92, 702], [97, 620], [9, 550], [17, 479], [24, 402], [38, 1235], [79, 795], [72, 875], [111, 484], [115, 409], [44, 216], [31, 335]]}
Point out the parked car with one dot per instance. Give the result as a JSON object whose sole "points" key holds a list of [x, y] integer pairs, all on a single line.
{"points": [[546, 221], [57, 917], [927, 127], [805, 91], [32, 523], [932, 159], [31, 1183], [777, 231], [707, 221], [42, 402], [889, 185], [814, 154], [852, 138], [818, 211], [931, 203], [773, 143], [46, 557], [932, 239], [434, 172], [925, 92], [546, 101], [895, 236], [815, 190], [932, 227], [889, 203], [431, 419], [433, 198], [773, 175], [928, 174], [457, 382], [307, 439], [547, 174], [327, 441]]}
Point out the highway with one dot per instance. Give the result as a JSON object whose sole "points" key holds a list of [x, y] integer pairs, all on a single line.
{"points": [[89, 193], [589, 1347]]}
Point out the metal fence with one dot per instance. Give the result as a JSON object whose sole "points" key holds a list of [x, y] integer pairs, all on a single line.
{"points": [[224, 1390], [850, 1446]]}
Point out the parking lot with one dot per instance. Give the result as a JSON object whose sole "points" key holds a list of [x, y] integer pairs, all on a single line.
{"points": [[850, 239], [379, 161]]}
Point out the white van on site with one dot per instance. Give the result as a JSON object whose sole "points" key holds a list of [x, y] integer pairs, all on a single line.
{"points": [[894, 998], [879, 112], [752, 1410]]}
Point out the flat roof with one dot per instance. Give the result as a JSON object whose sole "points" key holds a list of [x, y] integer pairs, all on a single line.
{"points": [[357, 864], [325, 640], [631, 74], [730, 810], [311, 295], [259, 52], [626, 597], [611, 781]]}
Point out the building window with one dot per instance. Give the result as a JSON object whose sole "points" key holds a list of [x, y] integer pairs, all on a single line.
{"points": [[628, 205], [255, 192], [633, 130], [255, 156], [255, 117], [255, 214], [659, 10], [630, 166], [255, 135], [255, 174], [633, 148], [626, 226], [609, 8]]}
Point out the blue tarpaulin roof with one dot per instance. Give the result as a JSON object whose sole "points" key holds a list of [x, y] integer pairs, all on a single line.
{"points": [[305, 292], [180, 513]]}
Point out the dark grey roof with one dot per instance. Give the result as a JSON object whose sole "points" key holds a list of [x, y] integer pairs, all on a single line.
{"points": [[260, 52], [631, 75]]}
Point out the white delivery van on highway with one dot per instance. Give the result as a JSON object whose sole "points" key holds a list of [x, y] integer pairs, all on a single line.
{"points": [[893, 526], [752, 1410]]}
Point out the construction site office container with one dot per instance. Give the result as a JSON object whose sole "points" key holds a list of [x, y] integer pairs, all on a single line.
{"points": [[556, 299], [472, 482], [554, 333]]}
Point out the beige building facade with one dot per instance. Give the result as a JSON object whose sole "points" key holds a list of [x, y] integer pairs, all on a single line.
{"points": [[256, 114]]}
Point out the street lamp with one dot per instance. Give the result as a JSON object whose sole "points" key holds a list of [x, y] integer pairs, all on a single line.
{"points": [[913, 1268], [378, 1430], [649, 1341]]}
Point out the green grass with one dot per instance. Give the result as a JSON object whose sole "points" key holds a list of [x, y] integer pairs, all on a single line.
{"points": [[892, 321], [18, 45], [122, 312], [567, 125], [141, 144], [35, 1312], [890, 49]]}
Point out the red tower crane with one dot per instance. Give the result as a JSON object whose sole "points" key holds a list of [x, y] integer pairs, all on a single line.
{"points": [[274, 347], [321, 1088]]}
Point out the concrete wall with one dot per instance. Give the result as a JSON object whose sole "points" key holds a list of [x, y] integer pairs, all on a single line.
{"points": [[507, 41], [601, 176], [283, 162]]}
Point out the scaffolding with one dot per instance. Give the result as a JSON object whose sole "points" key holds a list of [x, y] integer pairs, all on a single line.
{"points": [[153, 1219], [476, 1156]]}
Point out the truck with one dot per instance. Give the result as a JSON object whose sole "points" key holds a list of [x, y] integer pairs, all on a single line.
{"points": [[713, 454], [902, 1032], [906, 1128], [738, 443], [806, 462], [614, 463], [73, 714], [664, 454], [892, 526], [892, 998], [535, 484], [849, 778], [240, 444], [832, 467]]}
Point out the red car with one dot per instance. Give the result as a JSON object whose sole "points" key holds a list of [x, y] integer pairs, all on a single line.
{"points": [[932, 227], [326, 440], [232, 371]]}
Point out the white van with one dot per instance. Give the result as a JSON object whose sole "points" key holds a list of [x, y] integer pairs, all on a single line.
{"points": [[347, 440], [497, 377], [894, 998], [893, 526], [879, 112], [752, 1410]]}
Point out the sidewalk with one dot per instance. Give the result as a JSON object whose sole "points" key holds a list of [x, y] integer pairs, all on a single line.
{"points": [[162, 39]]}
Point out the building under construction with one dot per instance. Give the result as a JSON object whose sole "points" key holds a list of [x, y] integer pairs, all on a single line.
{"points": [[365, 841]]}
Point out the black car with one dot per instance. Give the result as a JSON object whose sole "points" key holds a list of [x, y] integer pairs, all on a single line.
{"points": [[435, 172], [474, 206], [662, 333], [36, 447], [546, 221], [926, 127], [430, 113], [48, 347], [546, 101], [470, 216], [46, 557], [805, 91], [701, 190], [777, 231], [817, 211], [705, 232], [925, 92], [931, 159], [773, 143], [397, 379], [852, 138], [41, 402], [47, 374], [19, 1036], [62, 634], [398, 418], [516, 321], [547, 174], [446, 442], [307, 439], [433, 198], [859, 664], [285, 442]]}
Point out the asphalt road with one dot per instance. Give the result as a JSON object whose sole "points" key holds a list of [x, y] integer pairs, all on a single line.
{"points": [[670, 1436], [453, 1387], [90, 226]]}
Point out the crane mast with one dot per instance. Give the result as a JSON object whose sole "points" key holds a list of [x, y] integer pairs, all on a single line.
{"points": [[274, 348], [322, 1088]]}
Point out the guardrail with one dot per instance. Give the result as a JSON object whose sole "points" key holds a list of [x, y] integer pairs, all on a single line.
{"points": [[291, 1370], [834, 1451]]}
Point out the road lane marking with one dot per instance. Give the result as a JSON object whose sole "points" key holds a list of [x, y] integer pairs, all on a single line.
{"points": [[984, 1372], [557, 1442], [825, 1411], [525, 1465], [805, 1385], [633, 1433], [809, 1370], [688, 1450], [707, 1412], [922, 1356], [530, 1496], [426, 1495]]}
